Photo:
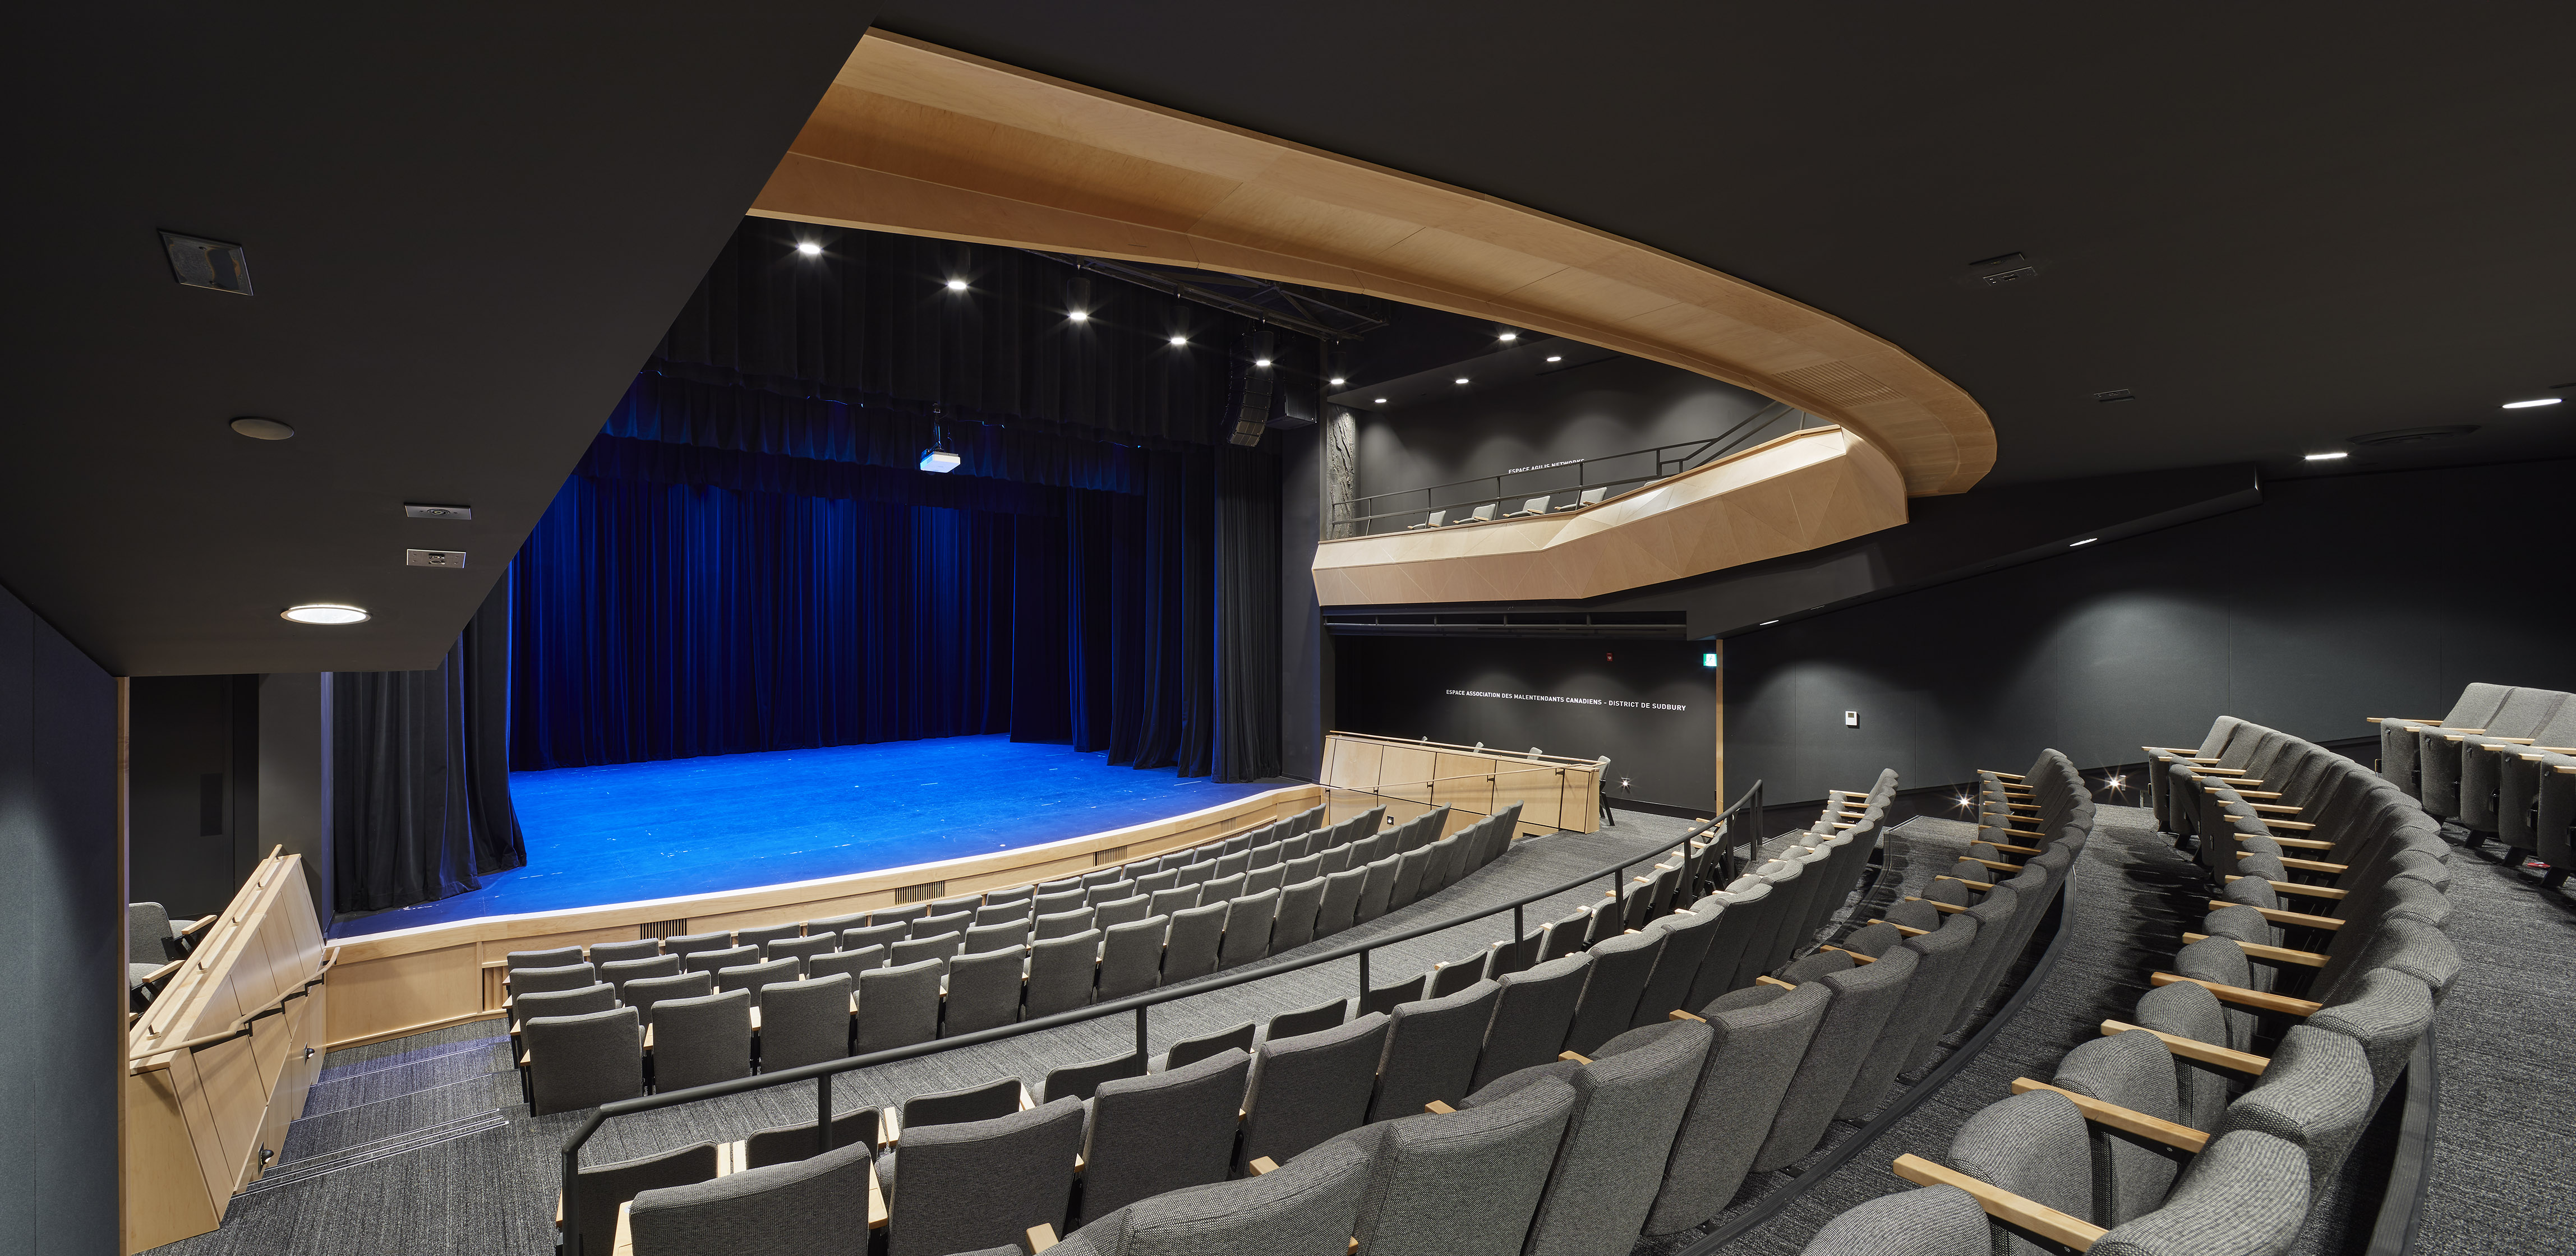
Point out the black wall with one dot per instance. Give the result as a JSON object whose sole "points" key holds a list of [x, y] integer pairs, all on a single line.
{"points": [[62, 925], [193, 809], [1398, 687], [1590, 411], [2333, 600]]}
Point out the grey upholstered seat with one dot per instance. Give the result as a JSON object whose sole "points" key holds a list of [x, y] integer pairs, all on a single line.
{"points": [[1080, 1080], [1264, 880], [1293, 921], [1190, 950], [719, 960], [1310, 1020], [903, 915], [763, 935], [2034, 1145], [997, 1098], [1431, 1049], [1306, 868], [938, 949], [979, 1184], [1131, 957], [1994, 916], [605, 953], [1309, 1088], [1120, 911], [1385, 998], [805, 1022], [1247, 929], [2187, 1010], [1148, 1135], [898, 1006], [2523, 713], [983, 991], [802, 949], [559, 957], [1409, 868], [942, 924], [1152, 883], [1220, 889], [1233, 863], [1197, 873], [1629, 1101], [1533, 1009], [545, 980], [2221, 961], [1014, 912], [691, 944], [1462, 1183], [882, 934], [751, 978], [1738, 907], [1062, 972], [814, 1207], [1177, 898], [1305, 1208], [2245, 1194], [995, 898], [583, 1061], [1341, 902], [598, 1190], [598, 997], [1686, 936], [2398, 737], [1378, 889], [2316, 1094], [1063, 924], [1928, 1221], [1864, 1000], [1757, 1037], [2386, 1011], [1940, 956], [1620, 966], [644, 992], [703, 1040], [2133, 1070], [986, 939], [850, 963]]}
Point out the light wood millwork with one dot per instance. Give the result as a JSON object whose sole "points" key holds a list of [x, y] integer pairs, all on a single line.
{"points": [[1785, 496], [408, 981], [221, 1060], [922, 140], [1556, 792]]}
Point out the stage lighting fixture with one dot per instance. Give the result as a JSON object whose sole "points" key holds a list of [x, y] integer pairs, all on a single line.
{"points": [[324, 613], [1510, 336], [1078, 315], [1460, 380], [810, 249], [1261, 361], [939, 459]]}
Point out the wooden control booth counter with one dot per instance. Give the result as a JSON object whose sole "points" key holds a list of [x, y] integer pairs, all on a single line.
{"points": [[1556, 793]]}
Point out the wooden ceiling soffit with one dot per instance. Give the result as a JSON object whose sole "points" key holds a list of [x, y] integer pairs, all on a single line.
{"points": [[920, 140], [1802, 491]]}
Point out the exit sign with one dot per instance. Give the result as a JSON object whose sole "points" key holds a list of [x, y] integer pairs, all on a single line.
{"points": [[1708, 660]]}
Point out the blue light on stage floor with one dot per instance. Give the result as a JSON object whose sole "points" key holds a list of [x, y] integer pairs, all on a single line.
{"points": [[622, 832]]}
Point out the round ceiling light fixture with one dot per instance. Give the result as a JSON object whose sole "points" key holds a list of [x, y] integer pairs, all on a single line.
{"points": [[324, 613], [1460, 380], [1337, 381], [1078, 316], [1510, 336], [809, 248], [956, 285], [257, 428], [1178, 341]]}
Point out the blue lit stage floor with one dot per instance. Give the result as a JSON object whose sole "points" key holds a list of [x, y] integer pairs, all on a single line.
{"points": [[630, 831]]}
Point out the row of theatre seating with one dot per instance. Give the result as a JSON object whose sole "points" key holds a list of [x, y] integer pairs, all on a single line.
{"points": [[2500, 764], [1439, 1124], [2208, 1122], [603, 1024]]}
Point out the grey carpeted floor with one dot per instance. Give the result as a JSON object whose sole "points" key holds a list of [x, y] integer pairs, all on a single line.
{"points": [[492, 1190]]}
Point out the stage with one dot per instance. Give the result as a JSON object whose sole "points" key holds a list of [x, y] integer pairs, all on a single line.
{"points": [[632, 831]]}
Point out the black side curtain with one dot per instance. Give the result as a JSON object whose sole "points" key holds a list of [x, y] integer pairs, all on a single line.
{"points": [[420, 787]]}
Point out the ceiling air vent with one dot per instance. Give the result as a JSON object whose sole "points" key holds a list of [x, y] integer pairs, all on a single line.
{"points": [[2008, 269], [2117, 394], [2412, 435], [207, 263]]}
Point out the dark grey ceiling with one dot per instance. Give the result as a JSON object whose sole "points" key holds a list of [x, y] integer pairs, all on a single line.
{"points": [[466, 228], [2278, 225]]}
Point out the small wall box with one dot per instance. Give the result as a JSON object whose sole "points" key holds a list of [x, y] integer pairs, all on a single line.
{"points": [[1851, 719]]}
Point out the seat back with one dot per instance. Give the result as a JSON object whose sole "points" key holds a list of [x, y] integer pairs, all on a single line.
{"points": [[817, 1207], [1293, 922], [932, 950], [1341, 901], [1864, 999], [982, 1102], [592, 998], [700, 1041], [983, 1184], [1461, 1183], [1174, 1129], [1196, 933], [1080, 1080], [1009, 935], [881, 934], [1061, 973], [1927, 1221], [1310, 1020], [1309, 1088], [1939, 958], [2316, 1094], [691, 944], [1131, 957], [1620, 966], [801, 949], [644, 993], [983, 991], [898, 1006], [1120, 911], [1757, 1036], [1308, 1206], [1629, 1102], [2244, 1195], [544, 980], [2034, 1145], [1686, 936], [2134, 1070], [583, 1061], [619, 972], [1431, 1049], [750, 978], [719, 960], [763, 935], [1247, 929], [1190, 1051], [851, 963], [1533, 1009], [599, 1190], [1377, 889], [1409, 870], [805, 1022], [1063, 924], [513, 962]]}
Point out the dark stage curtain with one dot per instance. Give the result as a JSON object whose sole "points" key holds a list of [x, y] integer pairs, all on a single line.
{"points": [[419, 779], [1248, 590]]}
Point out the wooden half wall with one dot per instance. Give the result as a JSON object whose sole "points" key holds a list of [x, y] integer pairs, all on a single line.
{"points": [[1800, 492], [413, 980], [921, 140], [1556, 793]]}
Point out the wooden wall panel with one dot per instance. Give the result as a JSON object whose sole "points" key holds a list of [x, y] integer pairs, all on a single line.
{"points": [[1465, 782], [1555, 791], [416, 988]]}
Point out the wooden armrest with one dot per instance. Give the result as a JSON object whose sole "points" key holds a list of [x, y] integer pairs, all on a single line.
{"points": [[2195, 1049], [1575, 1056], [2260, 1000], [733, 1157], [1979, 886], [1908, 930], [523, 1059], [1678, 1014], [1041, 1237], [1027, 1101], [2463, 735], [2279, 917], [2000, 866], [2277, 954], [625, 1241], [2314, 865], [2293, 887], [1437, 1108], [2018, 850], [2026, 833], [163, 971], [1936, 906], [2565, 769], [2300, 825], [876, 1201], [1856, 957], [2003, 1205], [2463, 732], [2008, 776], [2126, 1120], [1853, 825], [1262, 1165], [201, 923], [2275, 808], [2206, 770], [1767, 979], [2557, 749], [2303, 843]]}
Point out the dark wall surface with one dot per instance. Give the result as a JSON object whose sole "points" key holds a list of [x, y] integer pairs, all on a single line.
{"points": [[1400, 687], [62, 925], [1590, 411], [2333, 600], [190, 811]]}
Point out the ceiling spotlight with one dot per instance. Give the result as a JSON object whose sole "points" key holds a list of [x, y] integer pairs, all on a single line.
{"points": [[2081, 544], [939, 459], [810, 249], [2328, 457], [956, 285], [1178, 341], [1377, 401], [1261, 361], [1766, 623], [1337, 381], [323, 613], [1078, 316], [1556, 357], [258, 428], [2537, 401], [1461, 379], [1510, 336]]}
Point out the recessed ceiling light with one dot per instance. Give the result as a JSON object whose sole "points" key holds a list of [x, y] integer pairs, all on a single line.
{"points": [[1461, 379], [2537, 401], [1261, 361], [1556, 357], [1378, 401], [810, 249], [1178, 341], [1766, 623], [324, 613], [257, 428], [1337, 381], [2329, 457], [1078, 315], [2081, 544], [1510, 336], [956, 285]]}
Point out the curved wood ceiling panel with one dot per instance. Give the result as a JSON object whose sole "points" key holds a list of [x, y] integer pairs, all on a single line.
{"points": [[921, 140], [1785, 496]]}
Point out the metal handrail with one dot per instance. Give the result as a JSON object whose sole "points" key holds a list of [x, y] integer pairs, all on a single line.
{"points": [[1698, 453], [822, 1074]]}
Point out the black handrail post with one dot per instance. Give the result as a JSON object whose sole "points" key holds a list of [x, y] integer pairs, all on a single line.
{"points": [[1516, 924], [1364, 986], [823, 1113], [572, 1201], [1141, 1057]]}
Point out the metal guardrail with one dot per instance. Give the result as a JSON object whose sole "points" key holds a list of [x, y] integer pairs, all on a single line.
{"points": [[822, 1074], [1359, 516]]}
